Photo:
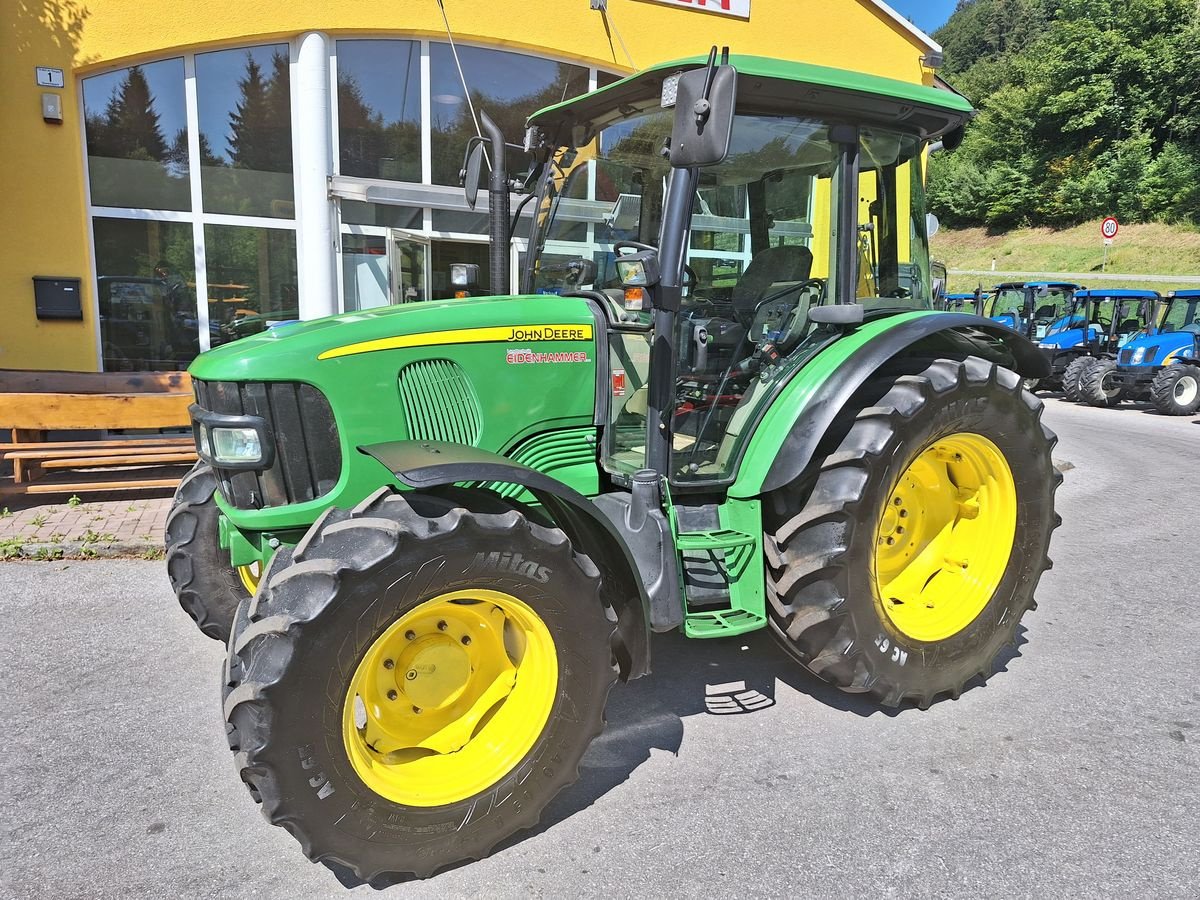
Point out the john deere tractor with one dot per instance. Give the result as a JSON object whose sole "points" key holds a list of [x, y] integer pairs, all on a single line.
{"points": [[1163, 364], [435, 535]]}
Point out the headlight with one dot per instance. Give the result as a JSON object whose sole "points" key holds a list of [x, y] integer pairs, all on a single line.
{"points": [[1046, 345], [235, 446], [1138, 355]]}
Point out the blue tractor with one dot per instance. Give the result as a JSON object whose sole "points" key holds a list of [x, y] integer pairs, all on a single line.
{"points": [[1029, 307], [962, 302], [1130, 316], [1082, 335], [1164, 364]]}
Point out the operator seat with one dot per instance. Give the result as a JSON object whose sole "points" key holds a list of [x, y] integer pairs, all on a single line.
{"points": [[769, 266]]}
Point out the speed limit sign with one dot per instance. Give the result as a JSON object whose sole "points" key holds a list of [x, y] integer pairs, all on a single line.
{"points": [[1109, 227]]}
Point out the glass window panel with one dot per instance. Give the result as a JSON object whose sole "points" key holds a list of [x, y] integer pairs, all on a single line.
{"points": [[604, 79], [245, 114], [379, 109], [365, 271], [146, 285], [509, 86], [251, 279], [446, 253], [137, 139], [355, 212]]}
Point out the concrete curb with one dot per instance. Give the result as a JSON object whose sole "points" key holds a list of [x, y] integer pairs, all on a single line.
{"points": [[85, 550]]}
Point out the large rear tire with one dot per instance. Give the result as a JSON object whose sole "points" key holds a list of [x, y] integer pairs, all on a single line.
{"points": [[1073, 375], [1175, 390], [208, 588], [1096, 386], [406, 691], [901, 562]]}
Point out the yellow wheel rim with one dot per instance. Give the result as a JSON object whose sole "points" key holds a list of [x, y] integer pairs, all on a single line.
{"points": [[945, 536], [250, 576], [450, 698]]}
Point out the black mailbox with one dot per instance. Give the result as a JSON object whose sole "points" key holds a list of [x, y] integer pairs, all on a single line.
{"points": [[57, 298]]}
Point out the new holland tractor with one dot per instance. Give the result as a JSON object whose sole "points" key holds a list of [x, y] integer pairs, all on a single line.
{"points": [[1131, 315], [1083, 334], [1029, 307], [434, 535], [1163, 364]]}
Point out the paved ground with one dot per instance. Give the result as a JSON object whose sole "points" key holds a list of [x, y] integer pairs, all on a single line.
{"points": [[109, 524], [1073, 772]]}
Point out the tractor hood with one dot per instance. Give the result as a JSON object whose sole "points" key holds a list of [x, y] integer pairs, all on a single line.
{"points": [[303, 349]]}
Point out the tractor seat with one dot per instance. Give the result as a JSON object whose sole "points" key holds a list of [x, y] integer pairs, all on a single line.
{"points": [[1046, 312], [770, 266], [1129, 325]]}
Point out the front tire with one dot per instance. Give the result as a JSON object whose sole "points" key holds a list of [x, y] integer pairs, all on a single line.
{"points": [[208, 588], [901, 562], [1175, 390], [1096, 386], [407, 691], [1073, 375]]}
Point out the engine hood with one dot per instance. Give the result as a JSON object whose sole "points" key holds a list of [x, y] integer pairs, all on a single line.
{"points": [[301, 351]]}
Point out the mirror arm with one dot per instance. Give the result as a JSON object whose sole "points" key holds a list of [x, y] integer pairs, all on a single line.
{"points": [[499, 211]]}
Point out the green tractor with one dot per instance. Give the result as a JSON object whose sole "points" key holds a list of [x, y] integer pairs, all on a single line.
{"points": [[435, 535]]}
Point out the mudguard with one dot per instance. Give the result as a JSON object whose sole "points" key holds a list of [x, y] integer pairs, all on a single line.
{"points": [[423, 465], [784, 442]]}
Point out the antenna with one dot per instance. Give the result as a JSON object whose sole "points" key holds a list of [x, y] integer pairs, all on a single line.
{"points": [[461, 77]]}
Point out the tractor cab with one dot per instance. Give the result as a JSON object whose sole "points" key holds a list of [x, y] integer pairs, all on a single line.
{"points": [[1029, 307], [1145, 364], [1124, 316], [1084, 328]]}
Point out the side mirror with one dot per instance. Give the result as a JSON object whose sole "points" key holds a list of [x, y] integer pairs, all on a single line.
{"points": [[932, 225], [471, 169], [704, 105]]}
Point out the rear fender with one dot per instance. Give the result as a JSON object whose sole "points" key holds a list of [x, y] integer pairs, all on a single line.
{"points": [[424, 465], [784, 443]]}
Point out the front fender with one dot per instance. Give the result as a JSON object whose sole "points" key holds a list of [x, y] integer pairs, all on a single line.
{"points": [[784, 442], [423, 465]]}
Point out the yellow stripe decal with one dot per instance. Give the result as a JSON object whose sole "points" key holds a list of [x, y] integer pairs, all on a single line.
{"points": [[513, 334]]}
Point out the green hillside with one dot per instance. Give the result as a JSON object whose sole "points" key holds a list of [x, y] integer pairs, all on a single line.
{"points": [[1086, 108], [1150, 249]]}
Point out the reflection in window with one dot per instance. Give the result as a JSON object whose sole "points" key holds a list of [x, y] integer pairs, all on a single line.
{"points": [[146, 284], [137, 140], [251, 279], [509, 86], [379, 109], [365, 271], [246, 131], [355, 212]]}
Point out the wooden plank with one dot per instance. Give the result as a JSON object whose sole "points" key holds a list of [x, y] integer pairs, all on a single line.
{"points": [[164, 440], [62, 412], [139, 459], [80, 487], [55, 381], [108, 450]]}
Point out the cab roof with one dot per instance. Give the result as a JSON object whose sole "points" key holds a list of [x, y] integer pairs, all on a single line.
{"points": [[772, 86], [1021, 285], [1185, 295], [1120, 294]]}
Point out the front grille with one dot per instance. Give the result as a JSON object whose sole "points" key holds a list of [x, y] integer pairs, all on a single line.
{"points": [[308, 454], [1125, 357], [1151, 352], [439, 402]]}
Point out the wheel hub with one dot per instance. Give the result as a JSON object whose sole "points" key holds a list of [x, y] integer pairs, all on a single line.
{"points": [[944, 537], [433, 671]]}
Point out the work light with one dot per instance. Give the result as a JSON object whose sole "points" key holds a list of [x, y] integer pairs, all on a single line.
{"points": [[236, 446]]}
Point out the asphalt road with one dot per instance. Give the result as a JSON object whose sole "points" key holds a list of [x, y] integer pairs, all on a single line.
{"points": [[1075, 771]]}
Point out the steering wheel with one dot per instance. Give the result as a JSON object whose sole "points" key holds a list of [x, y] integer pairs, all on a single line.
{"points": [[899, 293]]}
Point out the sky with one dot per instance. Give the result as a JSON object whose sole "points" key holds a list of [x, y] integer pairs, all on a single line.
{"points": [[928, 15]]}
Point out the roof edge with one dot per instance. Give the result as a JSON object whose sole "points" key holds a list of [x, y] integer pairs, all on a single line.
{"points": [[907, 25]]}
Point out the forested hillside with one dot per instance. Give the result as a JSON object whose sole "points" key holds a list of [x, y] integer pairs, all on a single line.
{"points": [[1087, 108]]}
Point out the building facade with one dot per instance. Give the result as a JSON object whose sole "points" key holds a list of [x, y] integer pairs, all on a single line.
{"points": [[178, 175]]}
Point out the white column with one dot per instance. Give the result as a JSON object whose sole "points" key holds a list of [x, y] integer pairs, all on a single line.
{"points": [[312, 153]]}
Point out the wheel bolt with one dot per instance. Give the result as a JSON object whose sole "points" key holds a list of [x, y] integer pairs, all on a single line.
{"points": [[392, 695], [904, 513], [417, 710], [411, 674], [410, 635], [899, 529], [891, 541], [466, 639], [897, 501], [388, 664], [442, 626]]}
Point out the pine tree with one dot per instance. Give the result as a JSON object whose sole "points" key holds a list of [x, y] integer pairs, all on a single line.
{"points": [[250, 144], [131, 128]]}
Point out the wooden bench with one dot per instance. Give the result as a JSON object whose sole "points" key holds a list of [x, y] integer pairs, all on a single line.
{"points": [[34, 403]]}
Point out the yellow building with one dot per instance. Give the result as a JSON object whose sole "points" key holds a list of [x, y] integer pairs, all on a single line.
{"points": [[177, 174]]}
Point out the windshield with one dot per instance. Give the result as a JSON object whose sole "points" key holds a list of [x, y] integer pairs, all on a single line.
{"points": [[764, 215], [1182, 313], [762, 250]]}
